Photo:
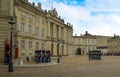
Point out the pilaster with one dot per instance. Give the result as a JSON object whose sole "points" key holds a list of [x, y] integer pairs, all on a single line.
{"points": [[54, 31], [59, 32], [48, 29]]}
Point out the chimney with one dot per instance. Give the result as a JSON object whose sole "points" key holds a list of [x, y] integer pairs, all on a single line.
{"points": [[75, 34], [33, 4], [114, 35], [86, 32], [71, 25], [39, 5]]}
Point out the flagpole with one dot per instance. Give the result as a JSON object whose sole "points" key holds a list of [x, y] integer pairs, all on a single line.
{"points": [[52, 5]]}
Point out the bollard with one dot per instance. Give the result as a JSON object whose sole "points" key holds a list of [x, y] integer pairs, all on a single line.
{"points": [[20, 61], [10, 67]]}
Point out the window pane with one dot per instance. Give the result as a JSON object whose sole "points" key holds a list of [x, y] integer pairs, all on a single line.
{"points": [[42, 46], [30, 16], [37, 45], [22, 44], [30, 44], [37, 31], [22, 27], [42, 32], [30, 29], [22, 13]]}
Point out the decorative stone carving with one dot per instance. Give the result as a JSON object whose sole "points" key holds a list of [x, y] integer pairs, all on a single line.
{"points": [[53, 12]]}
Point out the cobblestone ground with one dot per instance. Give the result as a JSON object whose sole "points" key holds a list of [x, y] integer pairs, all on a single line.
{"points": [[71, 66]]}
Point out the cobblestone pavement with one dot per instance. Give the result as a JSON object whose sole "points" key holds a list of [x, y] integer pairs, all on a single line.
{"points": [[71, 66]]}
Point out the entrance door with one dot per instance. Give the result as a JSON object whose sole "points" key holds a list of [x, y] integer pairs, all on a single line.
{"points": [[57, 49], [79, 51]]}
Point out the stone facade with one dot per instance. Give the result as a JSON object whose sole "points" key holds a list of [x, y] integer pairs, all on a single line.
{"points": [[35, 28], [102, 42], [85, 42], [114, 45], [91, 42], [6, 10]]}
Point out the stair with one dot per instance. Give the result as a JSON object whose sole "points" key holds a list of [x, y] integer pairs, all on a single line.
{"points": [[4, 31]]}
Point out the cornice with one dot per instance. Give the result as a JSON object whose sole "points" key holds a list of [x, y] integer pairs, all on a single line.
{"points": [[30, 7]]}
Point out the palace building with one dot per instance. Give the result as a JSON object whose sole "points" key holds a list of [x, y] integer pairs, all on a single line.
{"points": [[85, 43], [34, 29], [102, 43], [38, 29], [114, 45]]}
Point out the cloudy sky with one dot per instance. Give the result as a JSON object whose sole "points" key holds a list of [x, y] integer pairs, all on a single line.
{"points": [[98, 17]]}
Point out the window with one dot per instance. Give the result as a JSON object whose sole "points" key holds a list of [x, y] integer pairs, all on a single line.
{"points": [[37, 20], [22, 44], [37, 45], [30, 44], [37, 31], [30, 16], [30, 29], [42, 32], [42, 46], [42, 21], [76, 41], [22, 13], [22, 27]]}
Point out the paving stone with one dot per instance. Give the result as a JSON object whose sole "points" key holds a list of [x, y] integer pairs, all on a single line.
{"points": [[71, 66]]}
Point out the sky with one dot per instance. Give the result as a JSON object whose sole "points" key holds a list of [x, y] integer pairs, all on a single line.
{"points": [[98, 17]]}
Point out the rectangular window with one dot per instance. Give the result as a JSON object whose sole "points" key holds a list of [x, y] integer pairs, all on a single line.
{"points": [[42, 32], [22, 27], [30, 44], [37, 45], [42, 47], [22, 44], [22, 13], [30, 16], [37, 31], [37, 20], [30, 29], [42, 21]]}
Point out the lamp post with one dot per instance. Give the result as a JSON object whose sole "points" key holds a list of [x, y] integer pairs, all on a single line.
{"points": [[11, 22]]}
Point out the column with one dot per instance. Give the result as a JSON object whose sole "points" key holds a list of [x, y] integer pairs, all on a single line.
{"points": [[65, 49], [48, 29], [62, 33], [48, 45], [65, 35], [59, 32], [55, 48], [60, 48], [54, 31]]}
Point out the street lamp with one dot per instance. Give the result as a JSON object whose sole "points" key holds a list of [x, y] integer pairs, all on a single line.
{"points": [[11, 22]]}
